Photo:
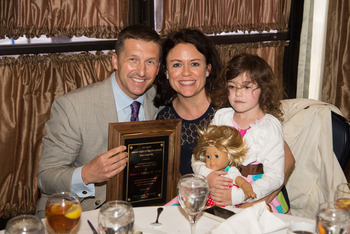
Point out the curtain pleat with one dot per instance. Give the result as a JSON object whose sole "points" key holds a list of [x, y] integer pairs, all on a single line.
{"points": [[272, 52], [28, 86], [336, 78], [53, 18], [212, 16]]}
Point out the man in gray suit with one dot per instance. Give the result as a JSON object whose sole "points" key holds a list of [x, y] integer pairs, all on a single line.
{"points": [[74, 156]]}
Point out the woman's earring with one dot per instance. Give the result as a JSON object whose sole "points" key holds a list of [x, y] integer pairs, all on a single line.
{"points": [[167, 77]]}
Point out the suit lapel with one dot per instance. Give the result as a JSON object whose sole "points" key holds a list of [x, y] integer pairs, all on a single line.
{"points": [[104, 106], [150, 109]]}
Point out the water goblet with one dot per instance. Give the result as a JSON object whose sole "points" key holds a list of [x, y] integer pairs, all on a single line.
{"points": [[332, 220], [193, 193], [342, 195], [63, 211], [116, 217], [25, 224]]}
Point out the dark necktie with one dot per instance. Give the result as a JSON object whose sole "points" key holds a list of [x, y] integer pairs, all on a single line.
{"points": [[135, 106]]}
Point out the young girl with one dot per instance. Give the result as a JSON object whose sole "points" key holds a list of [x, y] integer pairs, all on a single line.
{"points": [[222, 147], [254, 95]]}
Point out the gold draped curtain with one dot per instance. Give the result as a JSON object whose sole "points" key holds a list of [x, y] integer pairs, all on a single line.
{"points": [[53, 18], [272, 52], [29, 84], [336, 79], [213, 16]]}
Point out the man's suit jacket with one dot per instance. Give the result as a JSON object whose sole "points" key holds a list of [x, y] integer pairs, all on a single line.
{"points": [[77, 132]]}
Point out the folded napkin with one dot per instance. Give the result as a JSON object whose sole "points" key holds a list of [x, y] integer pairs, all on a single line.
{"points": [[255, 219]]}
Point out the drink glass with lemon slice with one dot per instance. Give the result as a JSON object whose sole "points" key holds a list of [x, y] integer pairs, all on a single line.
{"points": [[63, 212], [342, 195], [332, 219]]}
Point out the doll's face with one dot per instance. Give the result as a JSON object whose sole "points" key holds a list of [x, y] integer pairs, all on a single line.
{"points": [[215, 159]]}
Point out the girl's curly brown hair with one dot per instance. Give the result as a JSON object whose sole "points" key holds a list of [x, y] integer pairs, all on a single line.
{"points": [[260, 73], [226, 139]]}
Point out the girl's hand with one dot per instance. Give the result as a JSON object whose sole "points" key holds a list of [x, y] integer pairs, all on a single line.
{"points": [[219, 182]]}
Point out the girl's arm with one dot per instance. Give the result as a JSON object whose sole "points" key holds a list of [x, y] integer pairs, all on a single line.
{"points": [[199, 167], [288, 169], [223, 197], [213, 177], [269, 148], [246, 187]]}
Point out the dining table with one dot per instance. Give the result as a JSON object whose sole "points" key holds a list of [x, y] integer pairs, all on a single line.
{"points": [[173, 219]]}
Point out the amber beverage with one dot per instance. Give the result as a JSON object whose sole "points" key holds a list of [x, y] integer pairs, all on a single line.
{"points": [[344, 203], [63, 212], [331, 219], [342, 196]]}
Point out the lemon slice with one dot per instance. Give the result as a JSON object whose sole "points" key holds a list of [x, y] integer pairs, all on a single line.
{"points": [[73, 212], [320, 228], [345, 201]]}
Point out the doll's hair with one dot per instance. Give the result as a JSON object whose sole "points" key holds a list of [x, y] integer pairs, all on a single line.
{"points": [[226, 139]]}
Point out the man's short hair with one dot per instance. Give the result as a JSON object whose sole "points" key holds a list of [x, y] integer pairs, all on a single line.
{"points": [[138, 32]]}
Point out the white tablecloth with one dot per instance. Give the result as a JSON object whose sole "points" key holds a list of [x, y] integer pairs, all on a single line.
{"points": [[173, 219]]}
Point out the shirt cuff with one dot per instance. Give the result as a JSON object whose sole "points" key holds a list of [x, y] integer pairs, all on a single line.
{"points": [[232, 173], [237, 196], [78, 186]]}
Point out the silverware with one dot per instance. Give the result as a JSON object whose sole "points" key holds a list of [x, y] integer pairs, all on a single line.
{"points": [[92, 227], [156, 223]]}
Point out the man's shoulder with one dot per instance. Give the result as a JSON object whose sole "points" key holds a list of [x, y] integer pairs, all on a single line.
{"points": [[151, 93], [165, 109], [90, 90], [167, 112]]}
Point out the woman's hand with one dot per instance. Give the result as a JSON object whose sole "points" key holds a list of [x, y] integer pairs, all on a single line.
{"points": [[220, 182], [221, 197], [219, 188]]}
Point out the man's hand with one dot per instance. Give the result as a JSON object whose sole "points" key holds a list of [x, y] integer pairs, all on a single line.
{"points": [[220, 182], [105, 166]]}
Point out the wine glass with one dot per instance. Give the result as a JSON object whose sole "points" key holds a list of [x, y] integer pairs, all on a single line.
{"points": [[116, 217], [193, 193], [342, 195], [26, 224], [63, 211], [332, 220]]}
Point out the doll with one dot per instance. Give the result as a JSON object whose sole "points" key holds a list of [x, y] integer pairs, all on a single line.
{"points": [[222, 147]]}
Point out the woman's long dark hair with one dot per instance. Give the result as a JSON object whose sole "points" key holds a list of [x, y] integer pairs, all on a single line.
{"points": [[205, 46]]}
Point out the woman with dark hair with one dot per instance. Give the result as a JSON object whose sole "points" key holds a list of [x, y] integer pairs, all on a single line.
{"points": [[191, 87], [187, 86]]}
